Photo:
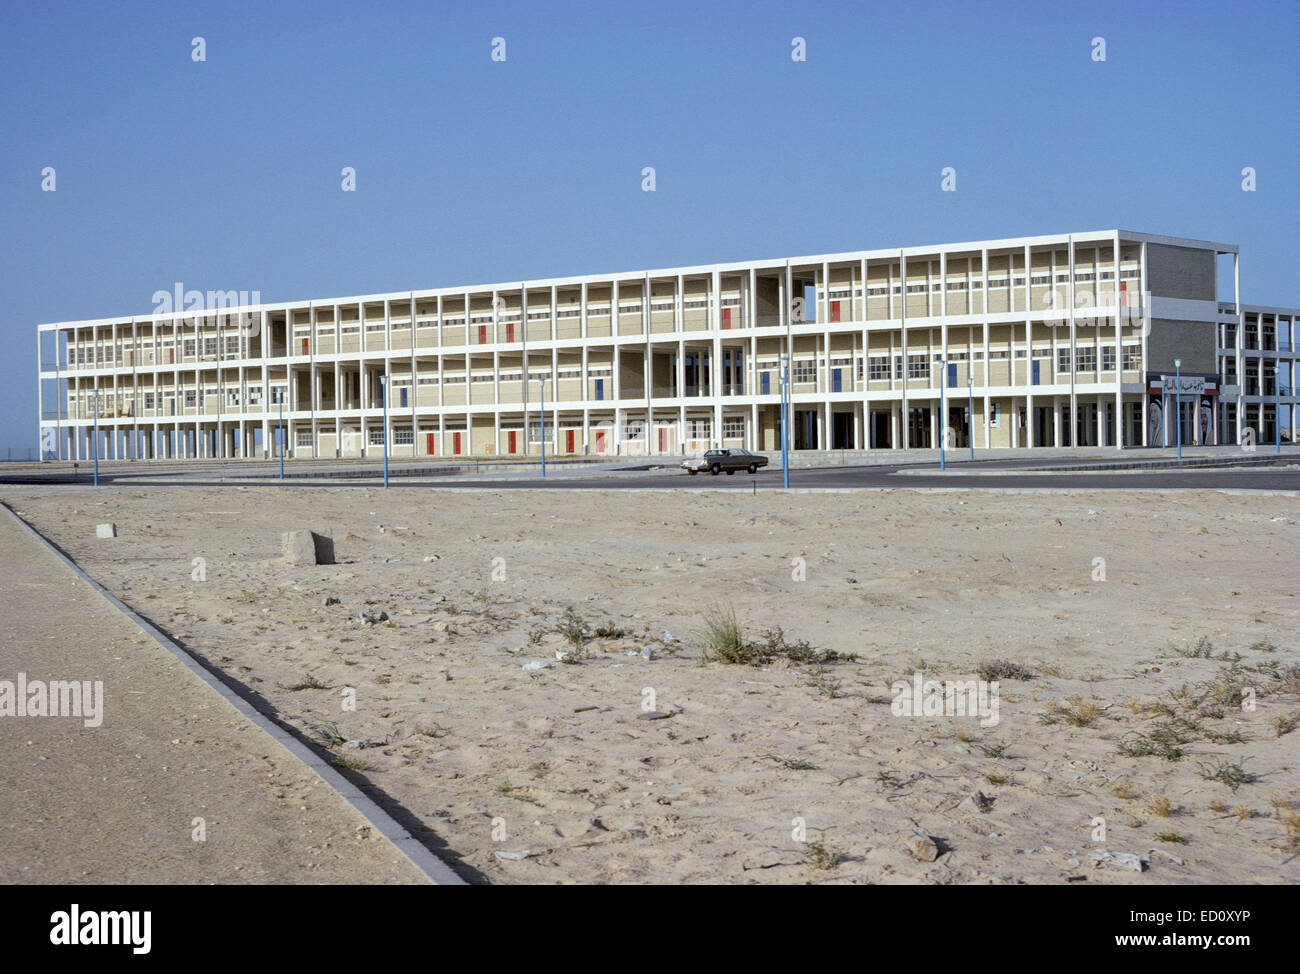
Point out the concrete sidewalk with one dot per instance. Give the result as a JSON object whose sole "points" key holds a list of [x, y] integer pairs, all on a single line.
{"points": [[118, 803]]}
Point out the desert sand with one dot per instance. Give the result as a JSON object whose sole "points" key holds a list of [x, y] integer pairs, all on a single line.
{"points": [[783, 772]]}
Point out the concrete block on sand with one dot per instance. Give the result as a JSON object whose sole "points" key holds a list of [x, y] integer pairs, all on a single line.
{"points": [[106, 530], [307, 548]]}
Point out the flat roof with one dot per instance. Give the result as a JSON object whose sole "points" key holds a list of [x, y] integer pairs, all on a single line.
{"points": [[1092, 236]]}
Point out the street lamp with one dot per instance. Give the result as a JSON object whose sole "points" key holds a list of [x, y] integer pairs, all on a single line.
{"points": [[1277, 407], [970, 422], [943, 432], [541, 384], [383, 402], [281, 398], [95, 443], [1178, 404], [785, 411]]}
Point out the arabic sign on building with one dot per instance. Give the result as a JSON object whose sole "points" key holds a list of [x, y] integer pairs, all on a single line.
{"points": [[1188, 385]]}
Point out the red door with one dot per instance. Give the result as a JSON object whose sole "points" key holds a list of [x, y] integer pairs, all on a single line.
{"points": [[304, 346], [835, 311], [455, 443], [726, 317], [432, 449], [514, 444], [482, 334], [568, 441]]}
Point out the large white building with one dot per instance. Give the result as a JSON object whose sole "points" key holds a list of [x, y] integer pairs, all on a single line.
{"points": [[1070, 339]]}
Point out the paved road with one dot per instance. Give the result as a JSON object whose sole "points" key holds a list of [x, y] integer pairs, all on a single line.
{"points": [[1003, 475], [1266, 478], [1017, 473]]}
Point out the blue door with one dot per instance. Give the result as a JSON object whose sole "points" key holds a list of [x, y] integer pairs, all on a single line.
{"points": [[600, 389], [767, 383], [835, 380], [952, 375], [1035, 376]]}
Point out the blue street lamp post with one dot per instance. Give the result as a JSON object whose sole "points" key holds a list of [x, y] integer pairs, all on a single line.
{"points": [[785, 415], [943, 430], [1277, 407], [970, 412], [541, 384], [383, 401], [281, 431], [1178, 404], [95, 442]]}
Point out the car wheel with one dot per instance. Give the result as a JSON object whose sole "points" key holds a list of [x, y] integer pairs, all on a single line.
{"points": [[692, 472], [730, 472], [753, 468], [715, 470]]}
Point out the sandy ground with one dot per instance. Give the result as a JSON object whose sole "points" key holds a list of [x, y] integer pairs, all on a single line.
{"points": [[762, 773]]}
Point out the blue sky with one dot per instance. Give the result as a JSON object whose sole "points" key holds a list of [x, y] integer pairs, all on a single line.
{"points": [[226, 174]]}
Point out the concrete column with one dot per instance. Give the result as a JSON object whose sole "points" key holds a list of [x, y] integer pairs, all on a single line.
{"points": [[715, 366], [1074, 354], [902, 313], [1241, 328]]}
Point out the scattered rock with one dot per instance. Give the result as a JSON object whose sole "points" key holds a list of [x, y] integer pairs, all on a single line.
{"points": [[922, 847], [329, 600], [1125, 860], [512, 856], [647, 653], [537, 664], [106, 530], [307, 548], [653, 715], [370, 617]]}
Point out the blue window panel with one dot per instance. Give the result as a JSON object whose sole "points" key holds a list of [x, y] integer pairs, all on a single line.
{"points": [[1035, 375], [600, 389], [404, 397], [952, 375], [836, 381], [766, 383]]}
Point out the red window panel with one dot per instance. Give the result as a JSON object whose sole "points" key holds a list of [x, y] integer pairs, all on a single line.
{"points": [[726, 317], [568, 440], [432, 448], [510, 332], [304, 345], [482, 334], [514, 444], [835, 311], [455, 443]]}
